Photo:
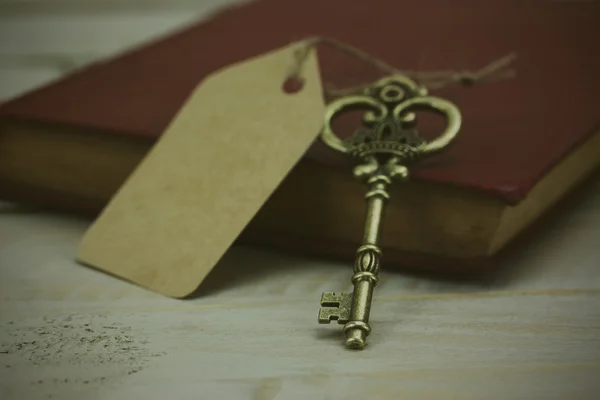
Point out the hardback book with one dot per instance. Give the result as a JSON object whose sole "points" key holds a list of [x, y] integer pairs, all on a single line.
{"points": [[526, 141]]}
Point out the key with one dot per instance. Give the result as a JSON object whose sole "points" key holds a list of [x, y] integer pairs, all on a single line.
{"points": [[335, 307], [382, 150]]}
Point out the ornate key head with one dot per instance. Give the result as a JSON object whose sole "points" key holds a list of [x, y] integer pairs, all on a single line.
{"points": [[382, 148], [389, 138]]}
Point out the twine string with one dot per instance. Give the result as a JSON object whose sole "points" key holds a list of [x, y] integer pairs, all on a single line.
{"points": [[494, 71]]}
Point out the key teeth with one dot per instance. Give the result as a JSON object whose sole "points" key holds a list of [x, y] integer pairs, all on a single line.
{"points": [[328, 314], [330, 299], [335, 307]]}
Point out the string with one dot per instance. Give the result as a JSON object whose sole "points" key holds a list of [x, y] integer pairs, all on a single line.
{"points": [[494, 71]]}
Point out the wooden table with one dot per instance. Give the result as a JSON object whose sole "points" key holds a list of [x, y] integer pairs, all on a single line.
{"points": [[69, 332]]}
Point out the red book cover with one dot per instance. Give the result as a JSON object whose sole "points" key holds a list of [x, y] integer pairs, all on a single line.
{"points": [[514, 130]]}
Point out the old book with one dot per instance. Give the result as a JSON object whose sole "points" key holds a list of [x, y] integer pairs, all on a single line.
{"points": [[525, 143]]}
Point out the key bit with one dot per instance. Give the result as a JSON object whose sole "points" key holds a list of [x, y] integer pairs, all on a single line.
{"points": [[381, 150], [335, 308]]}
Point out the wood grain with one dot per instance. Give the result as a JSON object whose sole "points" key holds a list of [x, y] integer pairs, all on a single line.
{"points": [[251, 333]]}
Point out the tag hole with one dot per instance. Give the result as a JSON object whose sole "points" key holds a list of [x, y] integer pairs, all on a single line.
{"points": [[293, 84]]}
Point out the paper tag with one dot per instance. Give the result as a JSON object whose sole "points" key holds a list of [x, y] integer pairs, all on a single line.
{"points": [[227, 150]]}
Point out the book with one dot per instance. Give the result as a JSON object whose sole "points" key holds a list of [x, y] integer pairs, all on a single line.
{"points": [[525, 141]]}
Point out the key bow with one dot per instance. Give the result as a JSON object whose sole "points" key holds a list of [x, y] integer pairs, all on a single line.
{"points": [[390, 122]]}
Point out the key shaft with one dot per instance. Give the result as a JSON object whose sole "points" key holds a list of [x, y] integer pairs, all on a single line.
{"points": [[367, 265], [353, 309]]}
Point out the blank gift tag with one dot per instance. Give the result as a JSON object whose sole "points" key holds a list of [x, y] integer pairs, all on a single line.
{"points": [[226, 151]]}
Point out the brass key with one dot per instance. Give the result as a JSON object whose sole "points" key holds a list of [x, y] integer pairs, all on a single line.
{"points": [[381, 150]]}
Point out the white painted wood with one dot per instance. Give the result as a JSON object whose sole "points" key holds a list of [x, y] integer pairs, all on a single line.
{"points": [[69, 332], [62, 63], [40, 40], [15, 81], [29, 7], [94, 33]]}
